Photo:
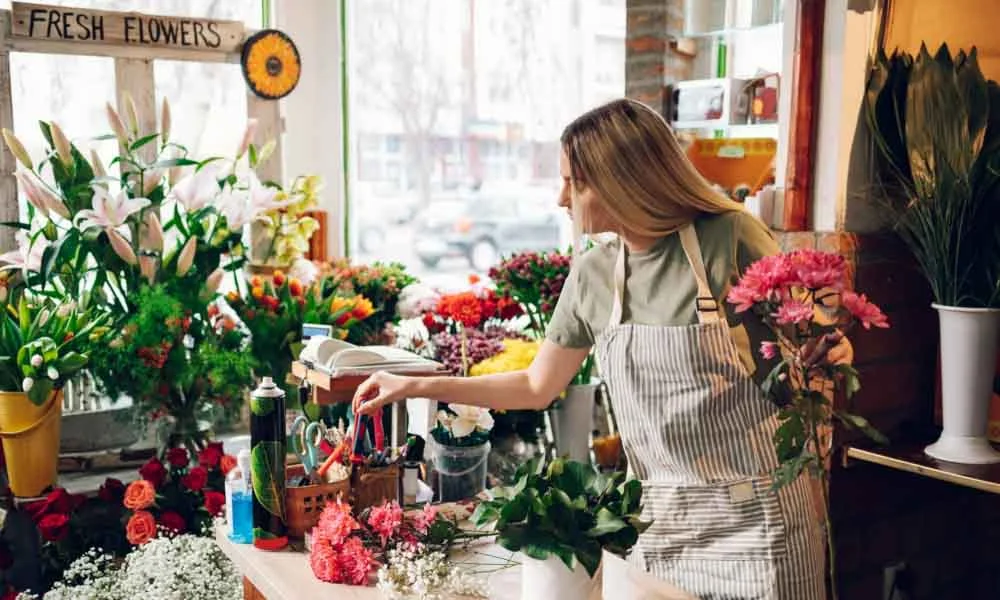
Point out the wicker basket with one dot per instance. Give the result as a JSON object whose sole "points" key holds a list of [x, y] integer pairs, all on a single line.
{"points": [[372, 486], [304, 503]]}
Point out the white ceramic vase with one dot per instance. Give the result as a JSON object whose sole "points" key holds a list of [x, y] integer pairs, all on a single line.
{"points": [[552, 580], [968, 359], [573, 421]]}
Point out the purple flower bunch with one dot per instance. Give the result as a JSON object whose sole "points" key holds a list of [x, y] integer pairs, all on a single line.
{"points": [[479, 345], [535, 280]]}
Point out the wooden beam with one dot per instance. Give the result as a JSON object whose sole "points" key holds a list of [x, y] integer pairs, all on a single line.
{"points": [[134, 77], [805, 114], [9, 206]]}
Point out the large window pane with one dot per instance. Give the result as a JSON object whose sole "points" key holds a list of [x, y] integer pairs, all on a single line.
{"points": [[208, 102], [456, 107]]}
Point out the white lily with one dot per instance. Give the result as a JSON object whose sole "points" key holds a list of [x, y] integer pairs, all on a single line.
{"points": [[262, 197], [197, 190], [28, 255], [234, 205], [467, 419], [109, 212]]}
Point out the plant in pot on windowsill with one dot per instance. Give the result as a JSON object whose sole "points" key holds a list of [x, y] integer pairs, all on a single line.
{"points": [[42, 345], [563, 518], [935, 124], [535, 280]]}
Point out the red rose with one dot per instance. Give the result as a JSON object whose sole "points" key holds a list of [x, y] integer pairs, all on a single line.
{"points": [[6, 559], [178, 457], [214, 502], [153, 472], [210, 456], [58, 501], [196, 479], [54, 527], [10, 594], [173, 521], [112, 490]]}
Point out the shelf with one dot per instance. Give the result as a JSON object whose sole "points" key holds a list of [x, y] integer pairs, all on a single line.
{"points": [[911, 459]]}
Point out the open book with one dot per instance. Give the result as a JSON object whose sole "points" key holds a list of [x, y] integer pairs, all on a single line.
{"points": [[340, 358]]}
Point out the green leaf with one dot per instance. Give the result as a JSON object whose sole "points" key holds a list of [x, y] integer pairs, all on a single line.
{"points": [[607, 523], [264, 457], [40, 391], [790, 437], [589, 555], [789, 471], [71, 363], [861, 424], [515, 511], [767, 386], [631, 495], [852, 381], [139, 143], [174, 162]]}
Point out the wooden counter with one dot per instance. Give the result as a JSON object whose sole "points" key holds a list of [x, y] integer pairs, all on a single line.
{"points": [[286, 575], [910, 457]]}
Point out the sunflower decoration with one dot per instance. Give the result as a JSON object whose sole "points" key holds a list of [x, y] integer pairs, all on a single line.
{"points": [[271, 65]]}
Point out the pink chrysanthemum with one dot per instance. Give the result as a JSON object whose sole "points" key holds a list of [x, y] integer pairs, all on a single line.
{"points": [[324, 560], [356, 562], [423, 520], [336, 522], [817, 270], [793, 311], [864, 311], [385, 520]]}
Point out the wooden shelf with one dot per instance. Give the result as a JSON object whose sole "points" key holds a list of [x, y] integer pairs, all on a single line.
{"points": [[911, 459], [335, 390]]}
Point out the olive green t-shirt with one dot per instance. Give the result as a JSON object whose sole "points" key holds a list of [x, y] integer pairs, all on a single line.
{"points": [[660, 288]]}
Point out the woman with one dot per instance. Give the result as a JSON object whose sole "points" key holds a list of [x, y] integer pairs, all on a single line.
{"points": [[678, 361]]}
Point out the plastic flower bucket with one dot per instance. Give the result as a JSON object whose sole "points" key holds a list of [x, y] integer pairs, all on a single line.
{"points": [[30, 437], [461, 470]]}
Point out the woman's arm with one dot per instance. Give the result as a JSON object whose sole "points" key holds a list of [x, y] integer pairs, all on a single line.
{"points": [[534, 388]]}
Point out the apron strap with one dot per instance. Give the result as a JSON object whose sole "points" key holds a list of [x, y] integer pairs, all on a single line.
{"points": [[706, 306], [616, 307]]}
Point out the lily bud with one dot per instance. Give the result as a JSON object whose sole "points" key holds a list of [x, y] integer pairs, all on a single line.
{"points": [[147, 266], [175, 174], [63, 147], [186, 258], [150, 181], [165, 122], [266, 151], [96, 164], [52, 202], [17, 149], [131, 113], [31, 192], [215, 279], [151, 237], [117, 125], [248, 134], [121, 246]]}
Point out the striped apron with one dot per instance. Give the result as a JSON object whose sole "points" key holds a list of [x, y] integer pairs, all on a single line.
{"points": [[698, 432]]}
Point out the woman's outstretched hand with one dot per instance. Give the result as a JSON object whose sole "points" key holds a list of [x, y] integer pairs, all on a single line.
{"points": [[378, 390]]}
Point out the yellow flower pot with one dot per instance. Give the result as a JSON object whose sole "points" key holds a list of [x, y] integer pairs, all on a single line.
{"points": [[30, 437]]}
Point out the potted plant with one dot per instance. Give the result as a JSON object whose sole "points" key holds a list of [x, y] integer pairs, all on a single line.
{"points": [[535, 280], [42, 346], [459, 448], [935, 124], [562, 518]]}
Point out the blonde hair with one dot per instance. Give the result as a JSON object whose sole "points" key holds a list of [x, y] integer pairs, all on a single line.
{"points": [[628, 154]]}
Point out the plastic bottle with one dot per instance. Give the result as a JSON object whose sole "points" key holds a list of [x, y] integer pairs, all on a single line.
{"points": [[267, 465], [239, 500]]}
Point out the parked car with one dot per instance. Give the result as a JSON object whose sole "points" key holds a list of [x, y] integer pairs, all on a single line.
{"points": [[483, 226]]}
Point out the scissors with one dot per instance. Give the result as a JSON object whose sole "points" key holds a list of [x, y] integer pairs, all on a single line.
{"points": [[306, 440]]}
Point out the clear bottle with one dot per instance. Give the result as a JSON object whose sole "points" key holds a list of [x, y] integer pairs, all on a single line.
{"points": [[239, 500]]}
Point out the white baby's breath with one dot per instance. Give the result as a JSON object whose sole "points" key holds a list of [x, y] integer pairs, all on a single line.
{"points": [[421, 574]]}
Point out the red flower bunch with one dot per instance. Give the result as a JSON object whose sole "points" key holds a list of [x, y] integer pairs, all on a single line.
{"points": [[472, 309], [349, 550], [534, 280], [52, 514], [181, 496]]}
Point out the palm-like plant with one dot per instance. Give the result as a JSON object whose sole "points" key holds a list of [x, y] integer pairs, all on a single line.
{"points": [[935, 123]]}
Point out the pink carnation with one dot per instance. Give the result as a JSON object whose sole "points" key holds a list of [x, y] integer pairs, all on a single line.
{"points": [[323, 558], [336, 523], [423, 520], [356, 562], [864, 311], [768, 350], [817, 270], [385, 520], [793, 311], [765, 280]]}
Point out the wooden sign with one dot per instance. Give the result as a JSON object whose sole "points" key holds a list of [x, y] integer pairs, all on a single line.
{"points": [[68, 24]]}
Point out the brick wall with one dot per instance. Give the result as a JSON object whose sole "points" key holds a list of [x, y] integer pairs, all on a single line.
{"points": [[650, 61], [947, 535]]}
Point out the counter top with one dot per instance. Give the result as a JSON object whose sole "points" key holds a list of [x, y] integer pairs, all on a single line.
{"points": [[286, 575]]}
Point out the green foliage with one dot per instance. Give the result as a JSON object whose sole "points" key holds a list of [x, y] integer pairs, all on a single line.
{"points": [[569, 510], [935, 123], [381, 283]]}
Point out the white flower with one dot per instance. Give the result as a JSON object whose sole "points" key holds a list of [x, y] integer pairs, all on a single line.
{"points": [[28, 255], [416, 299], [52, 373], [109, 212], [27, 384], [65, 309], [195, 191], [467, 419], [304, 270], [37, 360]]}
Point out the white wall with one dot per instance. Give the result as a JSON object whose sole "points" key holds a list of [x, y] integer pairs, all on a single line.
{"points": [[312, 112]]}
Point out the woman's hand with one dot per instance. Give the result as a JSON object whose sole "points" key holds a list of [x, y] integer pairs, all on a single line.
{"points": [[378, 390], [832, 348]]}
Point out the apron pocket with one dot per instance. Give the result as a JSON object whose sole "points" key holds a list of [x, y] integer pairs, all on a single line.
{"points": [[736, 520]]}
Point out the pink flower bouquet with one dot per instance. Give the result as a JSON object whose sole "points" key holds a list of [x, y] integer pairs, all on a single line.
{"points": [[803, 299]]}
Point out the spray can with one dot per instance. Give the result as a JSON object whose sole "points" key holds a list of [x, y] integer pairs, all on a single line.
{"points": [[267, 465]]}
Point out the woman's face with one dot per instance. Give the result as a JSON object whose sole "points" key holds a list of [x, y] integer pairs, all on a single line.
{"points": [[581, 201]]}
